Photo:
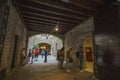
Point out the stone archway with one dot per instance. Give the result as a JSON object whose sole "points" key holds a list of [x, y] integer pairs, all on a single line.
{"points": [[55, 42], [45, 46]]}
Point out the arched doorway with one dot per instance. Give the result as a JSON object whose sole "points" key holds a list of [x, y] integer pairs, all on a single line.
{"points": [[55, 42], [45, 46], [50, 42]]}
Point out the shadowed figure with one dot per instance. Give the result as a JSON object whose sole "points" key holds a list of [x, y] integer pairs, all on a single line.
{"points": [[108, 56]]}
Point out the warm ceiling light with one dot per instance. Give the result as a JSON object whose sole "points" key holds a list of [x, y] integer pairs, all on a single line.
{"points": [[57, 27]]}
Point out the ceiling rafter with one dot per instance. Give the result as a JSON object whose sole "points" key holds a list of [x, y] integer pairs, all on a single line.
{"points": [[58, 7], [39, 19], [48, 26], [38, 22], [61, 5], [45, 25], [64, 26], [53, 15], [44, 15], [101, 2], [47, 17], [45, 22], [78, 4], [69, 15], [89, 3], [43, 29], [39, 30]]}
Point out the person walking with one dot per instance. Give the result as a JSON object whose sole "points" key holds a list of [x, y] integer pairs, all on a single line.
{"points": [[33, 55], [46, 53], [29, 54], [43, 53], [60, 58], [36, 54]]}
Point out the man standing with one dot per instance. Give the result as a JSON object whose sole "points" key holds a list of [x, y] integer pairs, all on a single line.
{"points": [[61, 58], [46, 53], [43, 53], [68, 55], [36, 54], [81, 58], [69, 60]]}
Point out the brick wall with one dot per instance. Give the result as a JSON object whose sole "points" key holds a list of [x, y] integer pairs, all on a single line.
{"points": [[14, 27]]}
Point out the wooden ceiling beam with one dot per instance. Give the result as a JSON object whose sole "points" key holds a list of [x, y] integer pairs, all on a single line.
{"points": [[32, 11], [52, 10], [101, 2], [38, 30], [25, 13], [59, 13], [48, 30], [46, 26], [89, 3], [32, 22], [78, 4], [62, 6], [53, 16], [33, 19], [39, 19], [35, 23], [40, 27], [49, 25]]}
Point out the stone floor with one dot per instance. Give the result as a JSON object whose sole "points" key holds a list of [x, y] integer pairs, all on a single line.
{"points": [[48, 71]]}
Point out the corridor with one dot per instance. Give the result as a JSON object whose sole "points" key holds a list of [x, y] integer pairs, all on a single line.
{"points": [[28, 27], [48, 71]]}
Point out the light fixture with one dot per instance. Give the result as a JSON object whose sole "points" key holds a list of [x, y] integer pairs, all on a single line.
{"points": [[56, 27], [47, 35]]}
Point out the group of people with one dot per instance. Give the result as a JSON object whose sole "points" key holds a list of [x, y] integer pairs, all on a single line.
{"points": [[33, 54], [61, 55], [68, 56]]}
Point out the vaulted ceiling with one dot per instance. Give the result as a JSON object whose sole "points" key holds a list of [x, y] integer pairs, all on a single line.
{"points": [[44, 15]]}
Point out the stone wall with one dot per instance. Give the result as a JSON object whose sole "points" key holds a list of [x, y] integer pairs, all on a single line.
{"points": [[75, 38], [14, 27], [2, 2]]}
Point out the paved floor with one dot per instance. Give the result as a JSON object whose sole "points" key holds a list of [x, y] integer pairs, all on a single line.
{"points": [[48, 71]]}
